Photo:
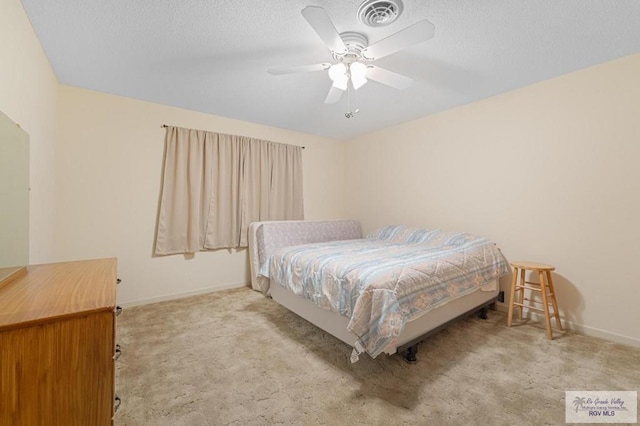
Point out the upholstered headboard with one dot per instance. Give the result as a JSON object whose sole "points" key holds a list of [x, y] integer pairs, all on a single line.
{"points": [[266, 237]]}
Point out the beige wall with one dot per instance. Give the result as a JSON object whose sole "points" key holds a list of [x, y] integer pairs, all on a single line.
{"points": [[550, 172], [28, 96], [108, 181]]}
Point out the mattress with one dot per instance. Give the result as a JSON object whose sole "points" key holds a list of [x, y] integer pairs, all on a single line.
{"points": [[388, 279]]}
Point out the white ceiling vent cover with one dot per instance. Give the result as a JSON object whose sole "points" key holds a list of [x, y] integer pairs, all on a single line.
{"points": [[378, 13]]}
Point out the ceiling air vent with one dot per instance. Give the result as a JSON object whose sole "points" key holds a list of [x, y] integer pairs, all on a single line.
{"points": [[378, 13]]}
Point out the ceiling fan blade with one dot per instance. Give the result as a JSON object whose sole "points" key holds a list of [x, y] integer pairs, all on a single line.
{"points": [[322, 25], [388, 78], [302, 68], [416, 33], [334, 95]]}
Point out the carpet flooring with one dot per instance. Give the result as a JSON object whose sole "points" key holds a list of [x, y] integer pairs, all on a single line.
{"points": [[238, 358]]}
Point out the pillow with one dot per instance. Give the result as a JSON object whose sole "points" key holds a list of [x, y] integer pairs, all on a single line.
{"points": [[402, 234]]}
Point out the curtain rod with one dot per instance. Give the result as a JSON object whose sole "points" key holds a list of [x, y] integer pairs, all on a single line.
{"points": [[165, 126]]}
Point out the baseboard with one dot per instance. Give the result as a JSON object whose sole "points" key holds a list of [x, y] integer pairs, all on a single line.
{"points": [[582, 329], [181, 295]]}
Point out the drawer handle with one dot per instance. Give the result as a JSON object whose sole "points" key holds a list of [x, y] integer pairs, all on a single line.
{"points": [[117, 401], [118, 310], [118, 352]]}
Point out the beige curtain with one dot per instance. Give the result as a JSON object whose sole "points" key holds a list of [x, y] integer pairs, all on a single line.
{"points": [[214, 185]]}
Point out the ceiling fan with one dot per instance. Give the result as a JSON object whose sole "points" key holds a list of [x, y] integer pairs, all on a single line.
{"points": [[353, 55]]}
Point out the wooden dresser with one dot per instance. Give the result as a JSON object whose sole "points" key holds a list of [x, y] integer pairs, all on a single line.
{"points": [[57, 344]]}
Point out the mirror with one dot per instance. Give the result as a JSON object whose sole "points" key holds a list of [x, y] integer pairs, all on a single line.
{"points": [[14, 197]]}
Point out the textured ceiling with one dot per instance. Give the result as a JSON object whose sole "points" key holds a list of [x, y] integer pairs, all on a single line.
{"points": [[212, 56]]}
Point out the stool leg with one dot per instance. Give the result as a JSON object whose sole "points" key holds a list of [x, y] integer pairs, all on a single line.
{"points": [[543, 287], [512, 296], [521, 296], [556, 314]]}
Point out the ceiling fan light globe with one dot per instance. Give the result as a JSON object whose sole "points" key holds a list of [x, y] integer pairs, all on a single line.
{"points": [[338, 72], [358, 70], [358, 82], [342, 84]]}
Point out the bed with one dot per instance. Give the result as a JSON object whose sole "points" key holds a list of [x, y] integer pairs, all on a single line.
{"points": [[380, 294]]}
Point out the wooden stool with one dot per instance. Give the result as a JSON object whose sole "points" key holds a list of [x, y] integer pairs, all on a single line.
{"points": [[545, 286]]}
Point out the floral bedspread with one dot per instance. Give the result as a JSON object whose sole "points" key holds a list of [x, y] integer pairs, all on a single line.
{"points": [[387, 279]]}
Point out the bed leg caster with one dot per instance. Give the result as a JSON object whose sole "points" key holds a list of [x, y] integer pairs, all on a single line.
{"points": [[484, 313], [410, 354]]}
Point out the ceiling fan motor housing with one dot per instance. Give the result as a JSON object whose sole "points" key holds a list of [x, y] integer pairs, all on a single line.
{"points": [[378, 13], [355, 43]]}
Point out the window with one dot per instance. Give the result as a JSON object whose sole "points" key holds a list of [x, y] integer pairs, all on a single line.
{"points": [[214, 185]]}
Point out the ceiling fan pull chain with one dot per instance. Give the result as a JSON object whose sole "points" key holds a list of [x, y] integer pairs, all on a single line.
{"points": [[349, 114]]}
